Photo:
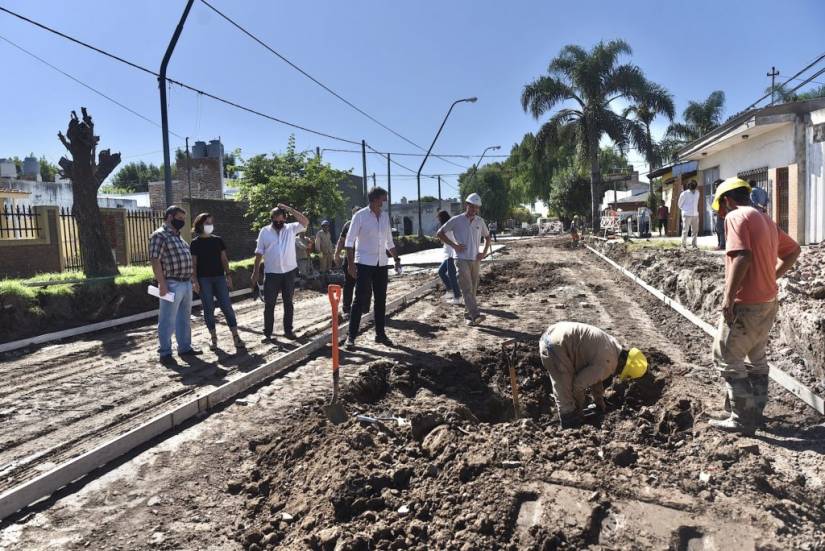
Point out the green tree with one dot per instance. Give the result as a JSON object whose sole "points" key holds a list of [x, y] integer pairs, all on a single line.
{"points": [[569, 193], [700, 117], [298, 179], [490, 183], [582, 85], [813, 93], [521, 214], [429, 199], [48, 170], [135, 176], [654, 102]]}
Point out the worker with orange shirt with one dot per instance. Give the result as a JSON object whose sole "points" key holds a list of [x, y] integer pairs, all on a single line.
{"points": [[757, 253]]}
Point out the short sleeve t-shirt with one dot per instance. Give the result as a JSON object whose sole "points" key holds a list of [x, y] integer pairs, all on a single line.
{"points": [[468, 233], [207, 252], [747, 229]]}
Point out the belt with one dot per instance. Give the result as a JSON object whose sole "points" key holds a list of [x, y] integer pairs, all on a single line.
{"points": [[177, 278]]}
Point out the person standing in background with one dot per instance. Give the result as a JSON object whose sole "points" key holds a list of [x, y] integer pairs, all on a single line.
{"points": [[349, 281], [494, 230], [447, 271], [323, 244], [662, 214], [302, 248], [172, 265], [211, 269], [276, 248], [689, 205]]}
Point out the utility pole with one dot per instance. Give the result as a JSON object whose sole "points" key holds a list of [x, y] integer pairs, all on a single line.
{"points": [[189, 174], [773, 74], [364, 166], [439, 192], [373, 180], [318, 151], [164, 116], [389, 190]]}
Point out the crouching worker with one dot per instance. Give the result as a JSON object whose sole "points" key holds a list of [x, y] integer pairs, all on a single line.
{"points": [[578, 357]]}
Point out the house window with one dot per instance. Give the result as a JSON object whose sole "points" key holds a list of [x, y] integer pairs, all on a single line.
{"points": [[758, 176]]}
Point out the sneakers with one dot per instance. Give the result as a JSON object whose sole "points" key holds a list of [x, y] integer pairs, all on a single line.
{"points": [[475, 321], [290, 335], [459, 301], [168, 361], [350, 344], [190, 352], [447, 296]]}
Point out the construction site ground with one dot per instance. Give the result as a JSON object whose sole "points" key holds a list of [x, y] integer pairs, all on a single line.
{"points": [[449, 467]]}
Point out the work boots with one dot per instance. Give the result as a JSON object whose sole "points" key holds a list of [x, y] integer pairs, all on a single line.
{"points": [[759, 387], [741, 419], [570, 420]]}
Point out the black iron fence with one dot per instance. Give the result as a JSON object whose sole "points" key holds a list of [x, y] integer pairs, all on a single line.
{"points": [[69, 239], [19, 222], [139, 226]]}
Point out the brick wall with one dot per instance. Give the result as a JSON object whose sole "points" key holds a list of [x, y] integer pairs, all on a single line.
{"points": [[230, 224], [206, 180], [114, 225], [22, 259]]}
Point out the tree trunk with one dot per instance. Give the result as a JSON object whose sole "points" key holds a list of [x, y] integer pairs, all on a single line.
{"points": [[86, 176], [595, 181]]}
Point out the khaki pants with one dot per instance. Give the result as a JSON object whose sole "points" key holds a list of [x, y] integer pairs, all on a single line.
{"points": [[325, 262], [468, 275], [691, 222], [562, 377], [739, 348]]}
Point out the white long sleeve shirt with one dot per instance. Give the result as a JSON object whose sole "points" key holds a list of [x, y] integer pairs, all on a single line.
{"points": [[371, 236], [278, 247], [689, 203]]}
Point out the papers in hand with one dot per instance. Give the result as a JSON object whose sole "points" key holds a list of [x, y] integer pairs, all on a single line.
{"points": [[155, 292]]}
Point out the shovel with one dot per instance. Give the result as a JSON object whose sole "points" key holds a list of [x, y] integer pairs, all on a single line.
{"points": [[511, 359], [335, 411]]}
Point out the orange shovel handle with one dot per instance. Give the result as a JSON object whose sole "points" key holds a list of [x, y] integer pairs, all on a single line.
{"points": [[334, 293]]}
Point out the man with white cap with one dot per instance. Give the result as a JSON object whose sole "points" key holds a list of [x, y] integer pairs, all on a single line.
{"points": [[468, 228]]}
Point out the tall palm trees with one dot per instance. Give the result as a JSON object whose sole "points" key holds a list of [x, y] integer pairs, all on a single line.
{"points": [[700, 118], [654, 101], [583, 84]]}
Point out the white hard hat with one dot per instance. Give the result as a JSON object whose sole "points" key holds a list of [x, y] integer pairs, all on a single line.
{"points": [[473, 199]]}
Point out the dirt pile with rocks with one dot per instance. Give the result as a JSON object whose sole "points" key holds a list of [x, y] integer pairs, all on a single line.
{"points": [[443, 464], [696, 279]]}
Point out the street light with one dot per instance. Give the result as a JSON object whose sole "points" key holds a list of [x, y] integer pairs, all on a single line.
{"points": [[418, 175], [475, 167]]}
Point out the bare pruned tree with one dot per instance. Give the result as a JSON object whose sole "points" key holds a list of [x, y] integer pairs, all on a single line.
{"points": [[87, 174]]}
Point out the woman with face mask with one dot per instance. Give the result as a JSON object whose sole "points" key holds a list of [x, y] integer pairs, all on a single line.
{"points": [[211, 267]]}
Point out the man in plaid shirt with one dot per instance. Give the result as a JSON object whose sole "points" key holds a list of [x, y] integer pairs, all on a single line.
{"points": [[172, 264]]}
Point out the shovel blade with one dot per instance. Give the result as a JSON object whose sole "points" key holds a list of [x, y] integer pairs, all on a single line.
{"points": [[336, 413]]}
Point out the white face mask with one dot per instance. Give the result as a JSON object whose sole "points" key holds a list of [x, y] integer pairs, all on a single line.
{"points": [[207, 229]]}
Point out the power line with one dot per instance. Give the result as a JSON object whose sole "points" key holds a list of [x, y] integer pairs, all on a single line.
{"points": [[410, 154], [85, 85], [178, 83], [318, 82], [814, 62]]}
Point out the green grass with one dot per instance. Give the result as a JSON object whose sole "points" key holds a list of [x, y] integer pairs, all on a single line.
{"points": [[64, 282]]}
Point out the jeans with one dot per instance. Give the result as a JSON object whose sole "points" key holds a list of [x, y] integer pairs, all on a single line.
{"points": [[370, 279], [720, 232], [273, 285], [468, 276], [349, 288], [215, 288], [493, 234], [448, 275], [174, 316]]}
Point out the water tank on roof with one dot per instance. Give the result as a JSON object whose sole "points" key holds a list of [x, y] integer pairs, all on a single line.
{"points": [[7, 169], [215, 149], [199, 150], [31, 168]]}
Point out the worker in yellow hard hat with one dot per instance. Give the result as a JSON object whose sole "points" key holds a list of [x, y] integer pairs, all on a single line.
{"points": [[579, 357], [757, 252]]}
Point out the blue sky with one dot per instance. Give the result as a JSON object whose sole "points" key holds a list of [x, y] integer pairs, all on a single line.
{"points": [[403, 62]]}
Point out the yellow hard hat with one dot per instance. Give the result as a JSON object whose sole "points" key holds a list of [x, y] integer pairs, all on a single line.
{"points": [[726, 186], [635, 366]]}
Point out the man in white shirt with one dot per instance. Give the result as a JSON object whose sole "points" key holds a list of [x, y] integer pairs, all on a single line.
{"points": [[468, 228], [276, 247], [369, 238], [689, 205]]}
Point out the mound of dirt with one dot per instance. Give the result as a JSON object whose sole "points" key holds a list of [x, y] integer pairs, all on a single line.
{"points": [[444, 475]]}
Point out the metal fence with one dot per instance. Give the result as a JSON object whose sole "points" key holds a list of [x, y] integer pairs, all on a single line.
{"points": [[139, 226], [69, 239], [19, 223]]}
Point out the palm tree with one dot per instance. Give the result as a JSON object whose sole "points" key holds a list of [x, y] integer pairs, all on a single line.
{"points": [[654, 101], [588, 82], [700, 118]]}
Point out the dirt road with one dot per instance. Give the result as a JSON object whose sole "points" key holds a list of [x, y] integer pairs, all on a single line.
{"points": [[463, 474]]}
